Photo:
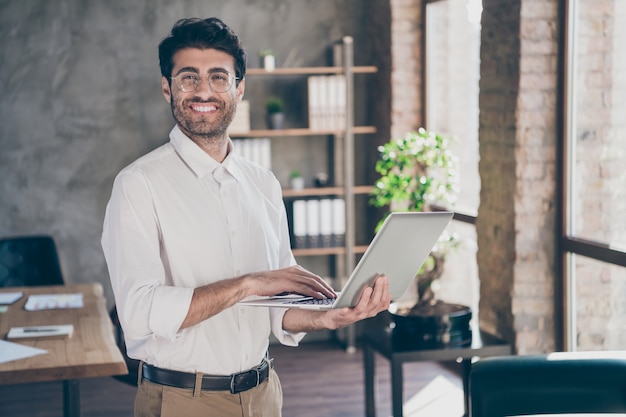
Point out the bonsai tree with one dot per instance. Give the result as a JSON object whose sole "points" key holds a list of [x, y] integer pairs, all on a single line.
{"points": [[416, 172]]}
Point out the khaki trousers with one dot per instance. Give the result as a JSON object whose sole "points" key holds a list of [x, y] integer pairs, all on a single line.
{"points": [[155, 400]]}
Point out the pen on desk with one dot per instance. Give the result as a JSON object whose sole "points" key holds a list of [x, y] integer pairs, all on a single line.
{"points": [[40, 330]]}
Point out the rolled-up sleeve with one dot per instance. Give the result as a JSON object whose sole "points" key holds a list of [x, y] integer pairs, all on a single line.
{"points": [[148, 306], [283, 336]]}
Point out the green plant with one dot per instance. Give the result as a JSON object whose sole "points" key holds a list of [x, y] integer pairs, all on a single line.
{"points": [[417, 171], [274, 105], [294, 174], [265, 52]]}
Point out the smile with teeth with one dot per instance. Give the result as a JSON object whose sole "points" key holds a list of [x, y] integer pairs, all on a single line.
{"points": [[204, 108]]}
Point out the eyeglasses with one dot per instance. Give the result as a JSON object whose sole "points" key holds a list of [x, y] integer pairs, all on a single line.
{"points": [[219, 81]]}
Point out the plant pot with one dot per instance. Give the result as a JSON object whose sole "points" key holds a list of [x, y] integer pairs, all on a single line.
{"points": [[276, 121], [431, 325], [297, 183], [268, 62]]}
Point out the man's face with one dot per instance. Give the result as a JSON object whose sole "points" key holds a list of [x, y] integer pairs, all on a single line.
{"points": [[202, 113]]}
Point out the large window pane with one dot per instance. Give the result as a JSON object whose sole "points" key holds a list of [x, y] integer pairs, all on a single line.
{"points": [[452, 79], [600, 307], [453, 73], [599, 186], [596, 178]]}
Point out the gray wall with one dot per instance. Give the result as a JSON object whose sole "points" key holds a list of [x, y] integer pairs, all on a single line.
{"points": [[81, 99]]}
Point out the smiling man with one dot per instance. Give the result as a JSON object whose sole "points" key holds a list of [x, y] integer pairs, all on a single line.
{"points": [[191, 229]]}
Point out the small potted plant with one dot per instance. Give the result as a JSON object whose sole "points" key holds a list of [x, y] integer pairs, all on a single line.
{"points": [[275, 108], [296, 180], [417, 171], [268, 61]]}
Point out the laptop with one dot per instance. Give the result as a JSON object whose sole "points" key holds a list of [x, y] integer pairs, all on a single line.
{"points": [[398, 250]]}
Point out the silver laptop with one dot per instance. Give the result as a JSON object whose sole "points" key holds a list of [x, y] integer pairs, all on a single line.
{"points": [[398, 250]]}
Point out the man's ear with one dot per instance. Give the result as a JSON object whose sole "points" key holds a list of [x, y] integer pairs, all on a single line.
{"points": [[240, 90], [166, 90]]}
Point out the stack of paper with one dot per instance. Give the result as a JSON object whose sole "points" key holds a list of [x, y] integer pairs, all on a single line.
{"points": [[53, 301], [10, 297]]}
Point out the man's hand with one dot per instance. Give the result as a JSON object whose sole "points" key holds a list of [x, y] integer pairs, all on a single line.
{"points": [[293, 279], [373, 300], [212, 298]]}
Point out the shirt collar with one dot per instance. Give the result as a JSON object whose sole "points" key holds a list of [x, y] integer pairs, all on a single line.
{"points": [[198, 160]]}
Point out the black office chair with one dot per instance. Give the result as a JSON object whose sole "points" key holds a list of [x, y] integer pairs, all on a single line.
{"points": [[562, 382], [132, 364], [29, 261]]}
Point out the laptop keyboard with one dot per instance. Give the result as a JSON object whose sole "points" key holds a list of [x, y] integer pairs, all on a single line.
{"points": [[314, 301]]}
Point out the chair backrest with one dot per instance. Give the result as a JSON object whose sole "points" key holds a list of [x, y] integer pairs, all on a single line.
{"points": [[132, 364], [29, 261], [562, 382]]}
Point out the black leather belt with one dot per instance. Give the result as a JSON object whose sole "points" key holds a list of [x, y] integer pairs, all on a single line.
{"points": [[235, 383]]}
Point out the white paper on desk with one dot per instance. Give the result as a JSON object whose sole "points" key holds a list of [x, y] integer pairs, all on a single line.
{"points": [[12, 351], [53, 301], [10, 297]]}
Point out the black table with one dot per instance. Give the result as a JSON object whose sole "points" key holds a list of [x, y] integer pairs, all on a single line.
{"points": [[379, 339]]}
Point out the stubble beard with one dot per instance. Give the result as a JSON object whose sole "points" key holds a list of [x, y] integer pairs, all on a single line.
{"points": [[204, 130]]}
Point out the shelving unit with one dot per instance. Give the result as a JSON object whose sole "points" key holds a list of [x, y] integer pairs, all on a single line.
{"points": [[343, 164]]}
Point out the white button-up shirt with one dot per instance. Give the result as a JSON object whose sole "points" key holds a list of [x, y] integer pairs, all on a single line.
{"points": [[177, 219]]}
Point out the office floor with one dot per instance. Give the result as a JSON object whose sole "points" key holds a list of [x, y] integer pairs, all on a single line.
{"points": [[318, 379]]}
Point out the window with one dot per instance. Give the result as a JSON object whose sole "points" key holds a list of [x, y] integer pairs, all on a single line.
{"points": [[452, 75], [594, 230]]}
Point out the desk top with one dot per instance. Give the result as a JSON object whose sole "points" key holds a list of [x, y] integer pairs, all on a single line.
{"points": [[483, 344], [90, 352]]}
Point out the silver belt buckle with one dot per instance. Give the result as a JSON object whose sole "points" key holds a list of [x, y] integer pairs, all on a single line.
{"points": [[234, 389]]}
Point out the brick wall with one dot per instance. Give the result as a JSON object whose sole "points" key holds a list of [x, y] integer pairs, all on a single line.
{"points": [[516, 217], [499, 88], [406, 75]]}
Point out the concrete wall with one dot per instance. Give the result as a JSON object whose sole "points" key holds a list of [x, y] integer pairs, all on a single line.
{"points": [[81, 99]]}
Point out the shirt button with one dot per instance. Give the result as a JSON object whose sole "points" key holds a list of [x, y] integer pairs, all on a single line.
{"points": [[233, 233]]}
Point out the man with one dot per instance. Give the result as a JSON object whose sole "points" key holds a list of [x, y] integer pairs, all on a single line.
{"points": [[191, 229]]}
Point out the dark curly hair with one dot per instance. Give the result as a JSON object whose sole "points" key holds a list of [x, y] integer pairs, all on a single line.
{"points": [[201, 34]]}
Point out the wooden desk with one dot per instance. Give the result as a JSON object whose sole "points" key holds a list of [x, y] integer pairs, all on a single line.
{"points": [[90, 352], [380, 340]]}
